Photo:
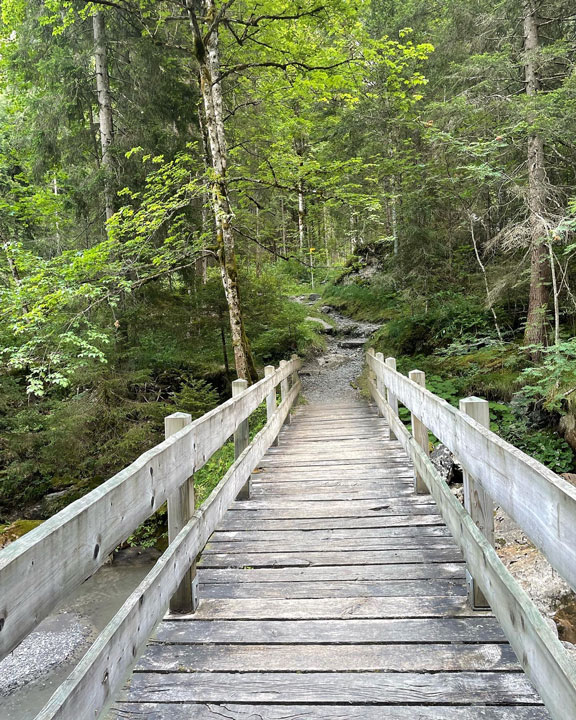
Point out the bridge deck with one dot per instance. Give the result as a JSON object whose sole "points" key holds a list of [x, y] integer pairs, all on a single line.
{"points": [[333, 593]]}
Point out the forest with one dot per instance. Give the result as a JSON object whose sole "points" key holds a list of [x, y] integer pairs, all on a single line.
{"points": [[174, 173]]}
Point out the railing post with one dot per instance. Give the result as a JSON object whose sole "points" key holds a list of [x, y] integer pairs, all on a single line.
{"points": [[284, 390], [380, 382], [270, 398], [241, 436], [180, 510], [476, 500], [392, 399], [420, 432]]}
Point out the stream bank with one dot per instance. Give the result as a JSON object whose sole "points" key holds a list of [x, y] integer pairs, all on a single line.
{"points": [[33, 671]]}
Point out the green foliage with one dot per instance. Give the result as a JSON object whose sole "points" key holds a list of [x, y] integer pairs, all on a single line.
{"points": [[554, 379]]}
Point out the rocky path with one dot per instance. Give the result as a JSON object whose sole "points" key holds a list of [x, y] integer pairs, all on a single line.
{"points": [[332, 375]]}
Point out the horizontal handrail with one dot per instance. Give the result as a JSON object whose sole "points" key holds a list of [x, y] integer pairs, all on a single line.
{"points": [[100, 674], [539, 651], [541, 502], [40, 569]]}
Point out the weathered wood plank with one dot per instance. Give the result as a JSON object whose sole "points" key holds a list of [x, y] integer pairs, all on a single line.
{"points": [[319, 510], [289, 536], [371, 688], [69, 547], [331, 608], [483, 629], [328, 658], [211, 711], [81, 696], [309, 559], [246, 521], [326, 589], [304, 545], [414, 571]]}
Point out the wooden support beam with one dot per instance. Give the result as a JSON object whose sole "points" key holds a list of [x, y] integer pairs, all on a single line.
{"points": [[284, 390], [420, 432], [270, 398], [241, 436], [392, 399], [476, 500], [180, 511], [380, 382]]}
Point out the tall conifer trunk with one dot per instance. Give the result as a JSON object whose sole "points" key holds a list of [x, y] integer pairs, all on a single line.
{"points": [[207, 55], [535, 333], [105, 117]]}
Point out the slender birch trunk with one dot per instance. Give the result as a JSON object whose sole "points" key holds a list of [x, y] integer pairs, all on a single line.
{"points": [[301, 216], [207, 54], [535, 333], [105, 117]]}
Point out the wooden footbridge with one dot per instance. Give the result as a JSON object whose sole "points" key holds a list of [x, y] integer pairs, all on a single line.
{"points": [[331, 574]]}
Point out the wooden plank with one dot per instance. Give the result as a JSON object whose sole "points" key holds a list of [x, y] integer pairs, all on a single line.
{"points": [[331, 608], [319, 510], [81, 696], [343, 588], [322, 494], [415, 571], [236, 521], [327, 658], [289, 536], [483, 629], [309, 559], [304, 545], [542, 503], [540, 652], [200, 711], [41, 568], [370, 688]]}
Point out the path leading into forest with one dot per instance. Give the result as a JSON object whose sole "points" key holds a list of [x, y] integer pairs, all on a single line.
{"points": [[333, 374]]}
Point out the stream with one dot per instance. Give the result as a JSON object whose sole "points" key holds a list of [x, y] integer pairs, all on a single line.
{"points": [[33, 671]]}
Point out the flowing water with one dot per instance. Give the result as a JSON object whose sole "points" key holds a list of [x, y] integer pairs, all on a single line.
{"points": [[30, 674]]}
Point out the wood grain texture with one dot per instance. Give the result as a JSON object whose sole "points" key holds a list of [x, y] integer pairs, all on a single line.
{"points": [[230, 711], [328, 658], [370, 688], [351, 632], [343, 588]]}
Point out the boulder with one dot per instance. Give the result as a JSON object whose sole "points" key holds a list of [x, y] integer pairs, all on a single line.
{"points": [[448, 468], [326, 309], [314, 297], [352, 343], [326, 327]]}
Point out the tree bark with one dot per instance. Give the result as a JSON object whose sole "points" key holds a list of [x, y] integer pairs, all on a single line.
{"points": [[105, 117], [535, 332], [207, 54], [301, 216]]}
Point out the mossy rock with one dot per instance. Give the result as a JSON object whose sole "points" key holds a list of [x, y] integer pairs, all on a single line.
{"points": [[15, 530]]}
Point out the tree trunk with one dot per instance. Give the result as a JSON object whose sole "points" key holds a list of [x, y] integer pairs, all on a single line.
{"points": [[301, 216], [207, 54], [535, 333], [104, 107]]}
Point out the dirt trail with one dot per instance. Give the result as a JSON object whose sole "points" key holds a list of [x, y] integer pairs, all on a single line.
{"points": [[332, 375]]}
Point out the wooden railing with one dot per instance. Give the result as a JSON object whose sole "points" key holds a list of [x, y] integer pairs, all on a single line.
{"points": [[40, 570], [539, 501]]}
